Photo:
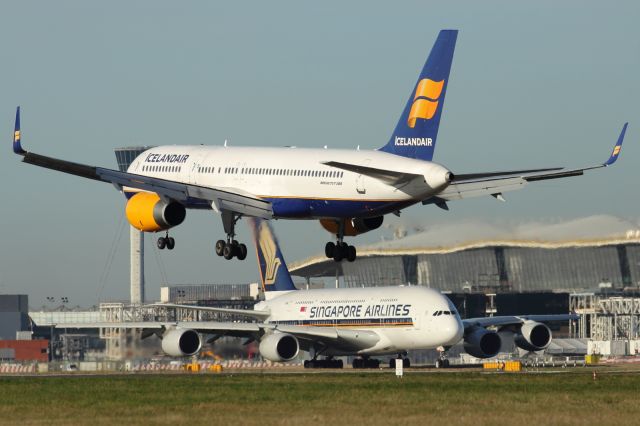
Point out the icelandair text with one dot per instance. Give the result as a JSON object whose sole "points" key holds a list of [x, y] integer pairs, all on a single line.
{"points": [[166, 158], [413, 141]]}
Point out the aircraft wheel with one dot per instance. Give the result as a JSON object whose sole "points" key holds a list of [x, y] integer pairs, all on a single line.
{"points": [[171, 243], [338, 253], [446, 363], [358, 363], [162, 243], [242, 252], [439, 363], [392, 363], [227, 251], [406, 363], [351, 253], [329, 249], [372, 363], [220, 247]]}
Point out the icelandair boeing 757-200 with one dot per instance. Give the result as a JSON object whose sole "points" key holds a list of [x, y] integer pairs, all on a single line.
{"points": [[348, 191], [363, 322]]}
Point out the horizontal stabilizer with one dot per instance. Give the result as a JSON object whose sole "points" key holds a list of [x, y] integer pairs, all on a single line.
{"points": [[390, 177]]}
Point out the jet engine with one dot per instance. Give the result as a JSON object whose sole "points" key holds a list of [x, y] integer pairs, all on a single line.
{"points": [[482, 343], [533, 336], [355, 226], [279, 347], [148, 213], [181, 342]]}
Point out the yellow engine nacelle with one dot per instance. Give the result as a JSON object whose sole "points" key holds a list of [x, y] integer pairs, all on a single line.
{"points": [[353, 227], [148, 213]]}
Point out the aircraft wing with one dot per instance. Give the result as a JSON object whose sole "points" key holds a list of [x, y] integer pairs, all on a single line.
{"points": [[223, 198], [514, 320], [350, 340], [495, 183]]}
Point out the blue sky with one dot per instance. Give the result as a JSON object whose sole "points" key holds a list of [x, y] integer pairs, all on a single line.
{"points": [[533, 84]]}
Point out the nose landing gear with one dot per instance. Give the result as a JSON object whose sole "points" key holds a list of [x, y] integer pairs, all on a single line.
{"points": [[442, 361]]}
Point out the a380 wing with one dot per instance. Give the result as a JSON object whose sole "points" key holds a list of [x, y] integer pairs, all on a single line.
{"points": [[495, 183], [514, 320], [352, 340]]}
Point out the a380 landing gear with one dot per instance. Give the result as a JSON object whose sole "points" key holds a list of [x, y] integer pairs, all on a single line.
{"points": [[230, 248], [323, 363], [340, 250], [405, 361], [167, 242], [442, 361], [365, 362]]}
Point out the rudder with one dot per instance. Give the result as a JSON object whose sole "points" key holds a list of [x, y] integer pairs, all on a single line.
{"points": [[416, 132]]}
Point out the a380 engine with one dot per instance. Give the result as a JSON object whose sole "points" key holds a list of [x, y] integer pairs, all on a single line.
{"points": [[532, 336], [147, 212], [279, 347], [355, 226], [482, 343], [181, 342]]}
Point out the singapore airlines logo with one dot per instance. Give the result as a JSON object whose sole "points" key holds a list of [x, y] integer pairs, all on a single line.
{"points": [[269, 252], [425, 101]]}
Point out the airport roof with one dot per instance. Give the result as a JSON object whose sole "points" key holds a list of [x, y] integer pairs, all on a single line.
{"points": [[592, 231]]}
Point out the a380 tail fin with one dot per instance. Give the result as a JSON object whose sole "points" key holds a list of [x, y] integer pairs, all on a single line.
{"points": [[416, 132], [273, 269]]}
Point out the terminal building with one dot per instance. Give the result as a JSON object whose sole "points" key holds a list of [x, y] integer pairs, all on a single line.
{"points": [[581, 255]]}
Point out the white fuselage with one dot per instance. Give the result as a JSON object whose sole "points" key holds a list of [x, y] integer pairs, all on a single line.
{"points": [[294, 180], [402, 317]]}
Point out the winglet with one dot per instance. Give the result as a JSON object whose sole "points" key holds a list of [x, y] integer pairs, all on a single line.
{"points": [[618, 147], [17, 147]]}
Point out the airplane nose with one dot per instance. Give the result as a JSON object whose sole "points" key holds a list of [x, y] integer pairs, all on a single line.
{"points": [[453, 330]]}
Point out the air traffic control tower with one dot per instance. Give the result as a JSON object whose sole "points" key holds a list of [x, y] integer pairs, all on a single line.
{"points": [[125, 157]]}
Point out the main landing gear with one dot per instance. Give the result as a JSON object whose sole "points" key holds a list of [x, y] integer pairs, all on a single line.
{"points": [[230, 248], [167, 242], [323, 363], [405, 362], [340, 250], [365, 362]]}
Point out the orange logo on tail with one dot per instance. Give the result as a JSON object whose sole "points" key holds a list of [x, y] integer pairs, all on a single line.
{"points": [[425, 101]]}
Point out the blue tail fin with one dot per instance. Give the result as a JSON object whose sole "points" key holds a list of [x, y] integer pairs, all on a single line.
{"points": [[416, 132], [273, 270], [17, 146]]}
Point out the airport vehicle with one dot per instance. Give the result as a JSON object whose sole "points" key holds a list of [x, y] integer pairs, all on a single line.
{"points": [[348, 191], [363, 322]]}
